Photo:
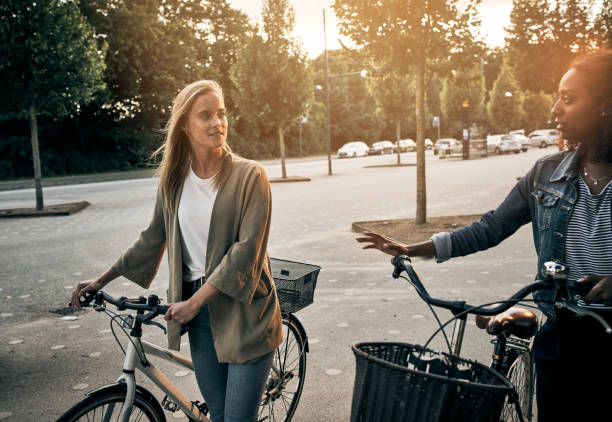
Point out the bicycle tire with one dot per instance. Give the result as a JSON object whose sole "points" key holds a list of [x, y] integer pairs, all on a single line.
{"points": [[96, 405], [522, 375], [281, 397]]}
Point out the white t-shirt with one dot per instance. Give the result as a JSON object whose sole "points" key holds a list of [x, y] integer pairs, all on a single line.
{"points": [[194, 212]]}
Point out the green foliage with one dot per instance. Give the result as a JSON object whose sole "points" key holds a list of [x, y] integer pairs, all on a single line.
{"points": [[54, 61], [394, 94], [352, 106], [272, 77], [536, 110], [153, 53], [544, 37], [603, 25], [504, 110], [463, 85], [491, 65]]}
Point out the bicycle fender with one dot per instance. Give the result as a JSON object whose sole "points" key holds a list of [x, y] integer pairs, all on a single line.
{"points": [[300, 328], [120, 387]]}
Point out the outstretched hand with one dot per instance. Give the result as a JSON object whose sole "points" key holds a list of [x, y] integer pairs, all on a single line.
{"points": [[382, 243]]}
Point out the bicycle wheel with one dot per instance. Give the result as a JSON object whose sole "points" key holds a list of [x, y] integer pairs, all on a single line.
{"points": [[286, 379], [105, 405], [522, 375]]}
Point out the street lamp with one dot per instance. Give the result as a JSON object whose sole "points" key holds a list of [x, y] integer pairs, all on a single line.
{"points": [[363, 73], [301, 120], [508, 94]]}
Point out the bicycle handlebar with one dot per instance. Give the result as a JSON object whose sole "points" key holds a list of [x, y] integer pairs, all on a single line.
{"points": [[557, 274], [403, 263], [150, 304]]}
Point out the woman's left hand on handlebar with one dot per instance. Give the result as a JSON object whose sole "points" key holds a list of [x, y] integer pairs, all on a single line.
{"points": [[182, 312], [601, 292]]}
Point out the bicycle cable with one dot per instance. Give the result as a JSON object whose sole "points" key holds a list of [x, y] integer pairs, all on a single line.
{"points": [[469, 310], [114, 316]]}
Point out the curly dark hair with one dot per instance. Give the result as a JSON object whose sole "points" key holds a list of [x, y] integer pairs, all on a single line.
{"points": [[598, 66]]}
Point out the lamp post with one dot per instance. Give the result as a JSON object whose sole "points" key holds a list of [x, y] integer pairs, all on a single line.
{"points": [[301, 120], [362, 73]]}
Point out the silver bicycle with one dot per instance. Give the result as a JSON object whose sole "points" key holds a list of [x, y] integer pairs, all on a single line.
{"points": [[126, 400]]}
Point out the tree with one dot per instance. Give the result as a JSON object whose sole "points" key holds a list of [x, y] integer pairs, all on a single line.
{"points": [[504, 108], [603, 25], [536, 109], [463, 85], [411, 36], [154, 50], [54, 65], [543, 40], [352, 107], [394, 96], [272, 77]]}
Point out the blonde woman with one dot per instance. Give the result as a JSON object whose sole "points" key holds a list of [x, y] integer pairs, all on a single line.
{"points": [[212, 213]]}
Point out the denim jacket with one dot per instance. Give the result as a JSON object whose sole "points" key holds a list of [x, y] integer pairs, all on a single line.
{"points": [[545, 196]]}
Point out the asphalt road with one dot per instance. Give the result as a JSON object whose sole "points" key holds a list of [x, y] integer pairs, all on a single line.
{"points": [[47, 363]]}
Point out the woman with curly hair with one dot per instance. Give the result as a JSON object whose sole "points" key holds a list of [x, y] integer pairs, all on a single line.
{"points": [[567, 197]]}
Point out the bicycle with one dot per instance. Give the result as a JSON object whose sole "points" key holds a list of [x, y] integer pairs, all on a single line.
{"points": [[125, 400], [443, 386]]}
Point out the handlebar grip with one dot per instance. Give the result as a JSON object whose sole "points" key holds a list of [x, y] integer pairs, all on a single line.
{"points": [[399, 264]]}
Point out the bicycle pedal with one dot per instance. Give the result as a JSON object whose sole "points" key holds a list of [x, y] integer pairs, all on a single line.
{"points": [[169, 405]]}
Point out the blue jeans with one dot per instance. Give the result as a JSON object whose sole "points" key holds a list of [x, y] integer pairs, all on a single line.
{"points": [[232, 391]]}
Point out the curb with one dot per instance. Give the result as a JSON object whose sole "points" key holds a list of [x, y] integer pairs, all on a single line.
{"points": [[48, 211], [391, 165], [289, 179]]}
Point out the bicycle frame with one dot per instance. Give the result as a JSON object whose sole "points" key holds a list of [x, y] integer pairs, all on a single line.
{"points": [[132, 361]]}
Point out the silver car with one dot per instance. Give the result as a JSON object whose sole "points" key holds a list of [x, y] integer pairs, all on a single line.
{"points": [[499, 144], [543, 137]]}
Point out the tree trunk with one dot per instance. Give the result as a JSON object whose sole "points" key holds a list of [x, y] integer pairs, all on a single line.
{"points": [[36, 157], [421, 208], [397, 138], [281, 140]]}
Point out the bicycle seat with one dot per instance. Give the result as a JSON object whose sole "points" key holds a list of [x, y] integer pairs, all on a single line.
{"points": [[515, 321]]}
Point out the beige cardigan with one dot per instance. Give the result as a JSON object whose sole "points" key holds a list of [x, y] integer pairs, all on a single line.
{"points": [[245, 316]]}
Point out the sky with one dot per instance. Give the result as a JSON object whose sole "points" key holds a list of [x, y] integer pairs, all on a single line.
{"points": [[309, 21]]}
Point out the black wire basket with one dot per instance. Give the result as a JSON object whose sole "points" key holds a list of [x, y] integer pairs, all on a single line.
{"points": [[295, 283], [400, 382]]}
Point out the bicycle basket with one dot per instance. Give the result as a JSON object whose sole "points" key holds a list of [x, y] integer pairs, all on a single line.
{"points": [[399, 382], [295, 283]]}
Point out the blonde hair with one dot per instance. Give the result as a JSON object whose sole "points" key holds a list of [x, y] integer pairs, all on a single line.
{"points": [[175, 151]]}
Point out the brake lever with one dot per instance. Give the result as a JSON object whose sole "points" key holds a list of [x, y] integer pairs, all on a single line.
{"points": [[580, 311], [157, 324]]}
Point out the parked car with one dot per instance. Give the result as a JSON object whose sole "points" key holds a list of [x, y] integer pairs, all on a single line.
{"points": [[543, 137], [405, 145], [428, 144], [353, 149], [499, 144], [448, 145], [522, 140], [380, 148]]}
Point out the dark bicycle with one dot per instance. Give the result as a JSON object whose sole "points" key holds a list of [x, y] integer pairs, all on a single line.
{"points": [[400, 382]]}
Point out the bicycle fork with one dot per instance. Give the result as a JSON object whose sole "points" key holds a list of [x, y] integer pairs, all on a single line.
{"points": [[458, 333], [128, 377]]}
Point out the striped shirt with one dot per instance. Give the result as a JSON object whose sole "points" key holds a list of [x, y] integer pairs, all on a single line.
{"points": [[588, 243]]}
